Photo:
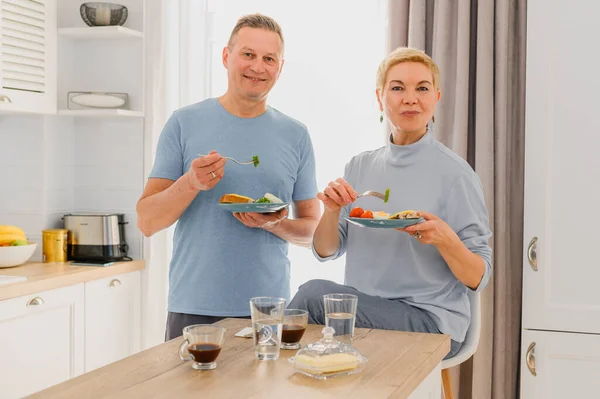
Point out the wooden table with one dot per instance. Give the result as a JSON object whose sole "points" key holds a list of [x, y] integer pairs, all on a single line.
{"points": [[400, 365]]}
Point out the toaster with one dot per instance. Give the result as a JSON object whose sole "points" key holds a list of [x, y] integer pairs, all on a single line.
{"points": [[96, 237]]}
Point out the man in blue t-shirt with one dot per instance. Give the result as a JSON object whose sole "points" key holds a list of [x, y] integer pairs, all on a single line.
{"points": [[221, 260]]}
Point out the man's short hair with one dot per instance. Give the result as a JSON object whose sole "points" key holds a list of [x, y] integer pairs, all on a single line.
{"points": [[259, 21]]}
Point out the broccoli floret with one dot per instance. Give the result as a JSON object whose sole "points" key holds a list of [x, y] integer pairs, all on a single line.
{"points": [[255, 160], [262, 200]]}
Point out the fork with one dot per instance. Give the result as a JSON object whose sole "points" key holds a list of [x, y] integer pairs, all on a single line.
{"points": [[372, 193], [255, 161], [377, 194]]}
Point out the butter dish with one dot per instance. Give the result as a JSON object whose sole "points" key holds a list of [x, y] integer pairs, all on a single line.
{"points": [[328, 358]]}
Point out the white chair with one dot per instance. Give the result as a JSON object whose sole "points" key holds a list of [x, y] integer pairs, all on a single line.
{"points": [[468, 347]]}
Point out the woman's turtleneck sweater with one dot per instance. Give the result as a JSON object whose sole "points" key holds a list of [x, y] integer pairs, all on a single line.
{"points": [[392, 264]]}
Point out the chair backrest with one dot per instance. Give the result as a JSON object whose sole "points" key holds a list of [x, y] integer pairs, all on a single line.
{"points": [[471, 342]]}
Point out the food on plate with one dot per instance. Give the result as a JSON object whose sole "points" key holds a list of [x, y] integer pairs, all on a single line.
{"points": [[367, 215], [241, 199], [381, 215], [408, 214], [235, 199], [269, 199], [12, 236], [356, 212]]}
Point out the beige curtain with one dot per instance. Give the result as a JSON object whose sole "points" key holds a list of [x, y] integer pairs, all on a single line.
{"points": [[479, 46]]}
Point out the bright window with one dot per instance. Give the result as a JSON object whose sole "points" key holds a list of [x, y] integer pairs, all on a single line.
{"points": [[332, 52]]}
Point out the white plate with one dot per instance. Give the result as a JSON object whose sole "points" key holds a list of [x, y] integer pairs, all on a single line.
{"points": [[98, 100]]}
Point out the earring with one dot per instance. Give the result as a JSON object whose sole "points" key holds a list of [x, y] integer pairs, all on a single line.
{"points": [[381, 118]]}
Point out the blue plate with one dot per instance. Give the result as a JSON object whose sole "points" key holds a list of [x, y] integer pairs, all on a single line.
{"points": [[384, 223], [254, 207]]}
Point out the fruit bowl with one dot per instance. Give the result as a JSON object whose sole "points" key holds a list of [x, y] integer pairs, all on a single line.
{"points": [[16, 255]]}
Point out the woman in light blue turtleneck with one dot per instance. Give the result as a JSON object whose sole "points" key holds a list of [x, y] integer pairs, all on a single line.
{"points": [[415, 279]]}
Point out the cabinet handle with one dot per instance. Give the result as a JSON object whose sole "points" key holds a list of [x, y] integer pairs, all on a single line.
{"points": [[5, 99], [114, 283], [532, 253], [530, 359], [36, 301]]}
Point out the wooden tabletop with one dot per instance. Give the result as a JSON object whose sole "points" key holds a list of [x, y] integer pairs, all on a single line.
{"points": [[397, 363], [49, 276]]}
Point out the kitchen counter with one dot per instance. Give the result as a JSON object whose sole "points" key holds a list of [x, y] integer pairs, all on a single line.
{"points": [[48, 276], [400, 365]]}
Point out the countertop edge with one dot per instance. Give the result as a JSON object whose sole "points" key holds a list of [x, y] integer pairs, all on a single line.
{"points": [[59, 275]]}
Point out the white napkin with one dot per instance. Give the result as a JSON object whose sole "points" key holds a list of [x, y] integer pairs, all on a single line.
{"points": [[246, 332], [5, 280]]}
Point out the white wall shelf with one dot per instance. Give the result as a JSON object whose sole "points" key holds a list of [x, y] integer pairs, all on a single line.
{"points": [[101, 112], [100, 32]]}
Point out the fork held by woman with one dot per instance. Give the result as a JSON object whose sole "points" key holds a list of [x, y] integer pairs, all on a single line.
{"points": [[340, 192]]}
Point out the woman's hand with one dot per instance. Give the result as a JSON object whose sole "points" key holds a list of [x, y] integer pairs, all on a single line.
{"points": [[337, 194], [433, 231], [467, 267]]}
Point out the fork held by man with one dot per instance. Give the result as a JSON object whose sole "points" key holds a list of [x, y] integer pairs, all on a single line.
{"points": [[255, 161]]}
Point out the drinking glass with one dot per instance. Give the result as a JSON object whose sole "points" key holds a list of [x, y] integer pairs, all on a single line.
{"points": [[294, 326], [340, 314], [267, 323], [202, 343]]}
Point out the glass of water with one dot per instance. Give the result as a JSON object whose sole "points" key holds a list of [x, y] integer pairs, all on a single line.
{"points": [[267, 322], [340, 314]]}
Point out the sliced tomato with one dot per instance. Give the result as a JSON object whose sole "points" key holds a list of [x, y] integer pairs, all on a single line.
{"points": [[356, 212], [367, 215]]}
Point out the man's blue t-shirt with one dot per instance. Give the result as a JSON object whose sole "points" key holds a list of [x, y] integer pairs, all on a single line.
{"points": [[218, 263]]}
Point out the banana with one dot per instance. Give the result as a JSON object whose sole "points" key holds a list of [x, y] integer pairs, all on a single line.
{"points": [[8, 234], [11, 229]]}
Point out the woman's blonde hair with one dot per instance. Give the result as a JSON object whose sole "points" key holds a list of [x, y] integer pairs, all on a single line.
{"points": [[406, 54]]}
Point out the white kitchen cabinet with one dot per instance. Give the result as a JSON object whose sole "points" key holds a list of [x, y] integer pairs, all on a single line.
{"points": [[567, 365], [28, 56], [562, 168], [430, 387], [112, 319], [41, 340]]}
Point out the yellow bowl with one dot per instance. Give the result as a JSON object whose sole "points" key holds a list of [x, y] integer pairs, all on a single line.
{"points": [[17, 255]]}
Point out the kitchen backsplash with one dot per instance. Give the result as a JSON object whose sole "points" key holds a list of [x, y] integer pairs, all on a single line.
{"points": [[63, 165]]}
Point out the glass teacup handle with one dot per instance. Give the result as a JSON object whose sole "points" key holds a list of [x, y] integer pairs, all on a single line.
{"points": [[264, 334], [183, 349]]}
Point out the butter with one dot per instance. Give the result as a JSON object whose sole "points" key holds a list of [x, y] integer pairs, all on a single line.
{"points": [[329, 363]]}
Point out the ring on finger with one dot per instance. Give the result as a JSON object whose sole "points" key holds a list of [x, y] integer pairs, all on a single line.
{"points": [[417, 235], [213, 175]]}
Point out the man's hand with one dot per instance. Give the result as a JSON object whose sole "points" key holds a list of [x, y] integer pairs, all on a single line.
{"points": [[205, 172], [261, 220]]}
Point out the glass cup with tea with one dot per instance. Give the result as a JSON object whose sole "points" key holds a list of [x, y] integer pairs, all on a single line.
{"points": [[202, 344], [294, 326]]}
